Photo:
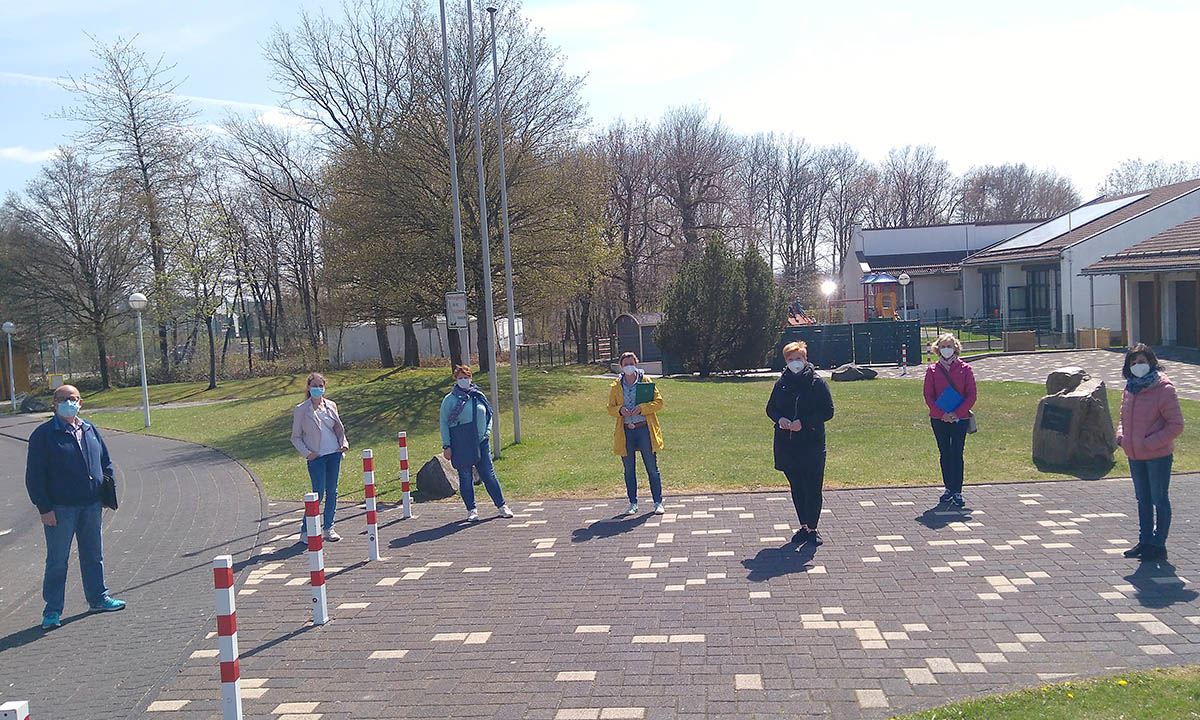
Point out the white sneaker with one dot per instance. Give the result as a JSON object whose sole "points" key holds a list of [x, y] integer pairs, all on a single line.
{"points": [[504, 511], [632, 509], [658, 509], [332, 536], [472, 516]]}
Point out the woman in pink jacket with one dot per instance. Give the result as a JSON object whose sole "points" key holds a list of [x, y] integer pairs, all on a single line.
{"points": [[320, 438], [1150, 422], [948, 378]]}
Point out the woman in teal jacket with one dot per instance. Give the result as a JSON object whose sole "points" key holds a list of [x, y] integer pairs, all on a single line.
{"points": [[466, 421]]}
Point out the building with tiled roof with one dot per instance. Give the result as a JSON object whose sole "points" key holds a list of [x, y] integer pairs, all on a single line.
{"points": [[1037, 276], [930, 255], [1159, 285]]}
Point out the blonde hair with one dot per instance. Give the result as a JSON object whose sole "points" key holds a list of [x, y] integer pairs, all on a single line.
{"points": [[949, 337], [798, 346], [312, 378]]}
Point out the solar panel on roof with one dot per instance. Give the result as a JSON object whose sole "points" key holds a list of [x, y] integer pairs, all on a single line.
{"points": [[1064, 224]]}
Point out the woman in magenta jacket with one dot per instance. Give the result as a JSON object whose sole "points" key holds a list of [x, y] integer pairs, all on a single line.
{"points": [[1150, 422], [950, 425]]}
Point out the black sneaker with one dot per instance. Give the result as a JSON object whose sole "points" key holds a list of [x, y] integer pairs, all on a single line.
{"points": [[1135, 551], [815, 538], [1153, 553], [957, 500], [945, 498], [801, 536]]}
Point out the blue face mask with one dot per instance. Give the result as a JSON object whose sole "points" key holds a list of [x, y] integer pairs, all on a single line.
{"points": [[316, 392], [68, 408]]}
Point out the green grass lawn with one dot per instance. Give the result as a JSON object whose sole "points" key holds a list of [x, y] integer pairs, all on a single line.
{"points": [[716, 432], [226, 389], [1164, 693]]}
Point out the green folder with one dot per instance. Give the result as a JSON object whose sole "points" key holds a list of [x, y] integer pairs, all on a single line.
{"points": [[643, 392]]}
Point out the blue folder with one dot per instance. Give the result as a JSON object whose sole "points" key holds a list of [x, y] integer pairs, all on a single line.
{"points": [[949, 400]]}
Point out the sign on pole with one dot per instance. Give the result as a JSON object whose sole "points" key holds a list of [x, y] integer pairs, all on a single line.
{"points": [[456, 310]]}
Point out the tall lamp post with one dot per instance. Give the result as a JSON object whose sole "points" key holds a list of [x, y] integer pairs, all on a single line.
{"points": [[827, 288], [904, 280], [9, 329], [508, 278], [138, 303]]}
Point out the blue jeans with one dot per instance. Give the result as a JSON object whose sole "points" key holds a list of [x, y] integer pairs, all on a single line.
{"points": [[81, 522], [323, 472], [487, 473], [638, 438], [951, 440], [1151, 478]]}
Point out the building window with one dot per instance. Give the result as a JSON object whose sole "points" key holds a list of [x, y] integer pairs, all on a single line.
{"points": [[1045, 291], [991, 292]]}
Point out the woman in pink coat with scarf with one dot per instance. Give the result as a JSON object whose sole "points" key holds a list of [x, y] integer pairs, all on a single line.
{"points": [[950, 423], [1150, 422]]}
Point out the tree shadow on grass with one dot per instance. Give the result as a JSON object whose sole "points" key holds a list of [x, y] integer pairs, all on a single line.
{"points": [[776, 562], [941, 515], [608, 528], [1157, 586]]}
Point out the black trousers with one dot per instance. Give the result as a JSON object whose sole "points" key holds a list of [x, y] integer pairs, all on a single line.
{"points": [[806, 476], [951, 440]]}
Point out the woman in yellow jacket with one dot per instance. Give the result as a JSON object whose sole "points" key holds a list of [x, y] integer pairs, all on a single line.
{"points": [[637, 429]]}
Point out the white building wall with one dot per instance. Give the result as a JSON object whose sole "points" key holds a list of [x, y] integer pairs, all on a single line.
{"points": [[1116, 239], [936, 294], [357, 343]]}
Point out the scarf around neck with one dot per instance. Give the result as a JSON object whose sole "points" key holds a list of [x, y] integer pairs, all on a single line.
{"points": [[1137, 384], [462, 396]]}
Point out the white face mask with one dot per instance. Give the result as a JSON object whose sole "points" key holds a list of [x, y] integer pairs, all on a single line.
{"points": [[796, 366], [463, 383], [947, 352], [629, 369], [1140, 369]]}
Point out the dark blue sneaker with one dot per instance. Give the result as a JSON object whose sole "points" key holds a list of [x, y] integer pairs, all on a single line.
{"points": [[108, 604], [946, 497], [957, 500], [801, 536]]}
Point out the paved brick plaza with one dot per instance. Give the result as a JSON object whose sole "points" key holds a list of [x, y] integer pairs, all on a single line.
{"points": [[565, 612]]}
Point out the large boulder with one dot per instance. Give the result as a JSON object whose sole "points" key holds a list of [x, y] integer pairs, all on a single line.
{"points": [[1073, 432], [1065, 379], [31, 403], [438, 479], [852, 372]]}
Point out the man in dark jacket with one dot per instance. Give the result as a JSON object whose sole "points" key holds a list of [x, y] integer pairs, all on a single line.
{"points": [[800, 405], [67, 464]]}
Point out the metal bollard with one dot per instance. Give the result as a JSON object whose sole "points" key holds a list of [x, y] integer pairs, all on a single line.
{"points": [[316, 559], [369, 503], [406, 496], [231, 684], [15, 710]]}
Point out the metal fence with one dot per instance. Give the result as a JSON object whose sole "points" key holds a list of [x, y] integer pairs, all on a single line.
{"points": [[600, 351], [988, 333]]}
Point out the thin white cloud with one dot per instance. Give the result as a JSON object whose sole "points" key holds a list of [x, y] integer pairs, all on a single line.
{"points": [[586, 16], [287, 120], [25, 155]]}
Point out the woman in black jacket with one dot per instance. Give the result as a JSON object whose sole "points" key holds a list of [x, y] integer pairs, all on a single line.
{"points": [[800, 405]]}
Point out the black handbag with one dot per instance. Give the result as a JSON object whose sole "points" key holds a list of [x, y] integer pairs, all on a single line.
{"points": [[108, 492]]}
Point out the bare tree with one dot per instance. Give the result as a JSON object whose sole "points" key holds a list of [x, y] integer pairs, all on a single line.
{"points": [[130, 114], [1013, 191], [1135, 175], [913, 187], [848, 196], [696, 161], [74, 234]]}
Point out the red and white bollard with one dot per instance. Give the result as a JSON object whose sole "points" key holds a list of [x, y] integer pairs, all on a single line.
{"points": [[369, 503], [14, 710], [405, 495], [904, 359], [316, 558], [231, 684]]}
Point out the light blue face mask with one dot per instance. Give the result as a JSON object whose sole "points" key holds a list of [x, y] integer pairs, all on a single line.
{"points": [[316, 392], [68, 408]]}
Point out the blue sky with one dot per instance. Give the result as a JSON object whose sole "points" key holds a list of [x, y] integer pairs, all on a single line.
{"points": [[1077, 86]]}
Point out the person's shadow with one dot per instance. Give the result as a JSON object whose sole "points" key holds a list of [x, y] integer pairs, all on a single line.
{"points": [[437, 533], [1157, 586], [775, 562], [939, 516], [610, 527]]}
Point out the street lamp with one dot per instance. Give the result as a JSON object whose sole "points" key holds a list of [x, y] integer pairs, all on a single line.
{"points": [[904, 280], [827, 288], [508, 276], [9, 329], [138, 303]]}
